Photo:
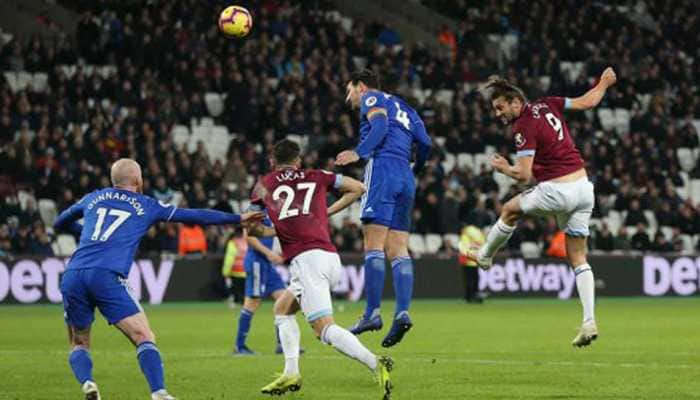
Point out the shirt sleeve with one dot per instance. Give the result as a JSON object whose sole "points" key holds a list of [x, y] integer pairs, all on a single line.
{"points": [[256, 198], [66, 220], [373, 104], [525, 138], [558, 103], [162, 211], [328, 179]]}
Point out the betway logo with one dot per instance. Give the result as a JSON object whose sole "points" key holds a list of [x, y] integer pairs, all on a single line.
{"points": [[660, 276], [515, 276], [28, 281]]}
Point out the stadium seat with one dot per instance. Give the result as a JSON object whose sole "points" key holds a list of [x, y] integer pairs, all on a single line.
{"points": [[444, 96], [24, 79], [688, 241], [40, 82], [416, 244], [695, 190], [667, 232], [449, 162], [68, 70], [653, 224], [217, 145], [433, 242], [65, 245], [614, 221], [177, 198], [181, 135], [622, 120], [545, 83], [214, 103], [199, 133], [686, 158], [47, 211], [440, 140], [206, 122], [504, 182], [420, 95], [452, 239], [346, 24], [481, 160], [23, 196], [607, 119], [530, 249], [566, 67], [465, 160], [644, 100]]}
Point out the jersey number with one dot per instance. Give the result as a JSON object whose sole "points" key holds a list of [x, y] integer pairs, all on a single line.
{"points": [[402, 116], [556, 125], [288, 212], [101, 213]]}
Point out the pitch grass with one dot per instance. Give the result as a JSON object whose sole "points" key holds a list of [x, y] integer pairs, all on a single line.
{"points": [[505, 349]]}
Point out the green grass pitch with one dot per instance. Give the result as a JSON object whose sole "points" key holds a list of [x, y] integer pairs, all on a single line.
{"points": [[504, 349]]}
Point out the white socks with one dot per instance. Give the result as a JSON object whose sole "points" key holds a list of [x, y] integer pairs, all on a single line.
{"points": [[586, 290], [348, 344], [290, 338], [497, 237]]}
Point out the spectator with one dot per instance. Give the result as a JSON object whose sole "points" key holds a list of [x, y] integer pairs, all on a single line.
{"points": [[191, 239], [660, 244], [635, 215], [622, 240], [604, 239], [640, 240]]}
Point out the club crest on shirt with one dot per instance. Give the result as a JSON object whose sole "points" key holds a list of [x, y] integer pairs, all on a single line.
{"points": [[371, 101], [519, 140]]}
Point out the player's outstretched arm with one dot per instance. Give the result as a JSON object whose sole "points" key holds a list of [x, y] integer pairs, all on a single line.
{"points": [[593, 97], [200, 216], [379, 127], [352, 189], [67, 220]]}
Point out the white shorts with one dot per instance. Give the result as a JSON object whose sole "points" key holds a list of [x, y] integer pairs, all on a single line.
{"points": [[570, 202], [313, 274]]}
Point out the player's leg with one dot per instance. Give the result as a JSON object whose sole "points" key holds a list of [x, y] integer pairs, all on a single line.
{"points": [[117, 303], [251, 302], [285, 308], [501, 232], [317, 306], [79, 315], [402, 271], [377, 209], [576, 229], [245, 319], [275, 295]]}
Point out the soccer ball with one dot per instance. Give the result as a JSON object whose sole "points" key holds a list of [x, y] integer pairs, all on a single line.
{"points": [[235, 21]]}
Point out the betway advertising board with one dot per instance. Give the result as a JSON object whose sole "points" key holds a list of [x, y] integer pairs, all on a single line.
{"points": [[35, 280]]}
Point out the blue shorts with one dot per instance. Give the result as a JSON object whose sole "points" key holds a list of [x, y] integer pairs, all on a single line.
{"points": [[85, 289], [391, 190], [261, 278]]}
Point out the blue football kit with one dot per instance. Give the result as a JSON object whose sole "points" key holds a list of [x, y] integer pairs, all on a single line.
{"points": [[388, 174], [115, 220], [262, 279], [389, 130]]}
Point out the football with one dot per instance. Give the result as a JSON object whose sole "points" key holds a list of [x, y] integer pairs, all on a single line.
{"points": [[235, 21]]}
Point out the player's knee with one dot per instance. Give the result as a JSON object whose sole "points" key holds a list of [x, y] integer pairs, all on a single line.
{"points": [[143, 335], [81, 340], [320, 325], [251, 304]]}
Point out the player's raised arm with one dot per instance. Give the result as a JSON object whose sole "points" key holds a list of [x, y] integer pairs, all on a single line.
{"points": [[521, 171], [351, 189], [593, 97]]}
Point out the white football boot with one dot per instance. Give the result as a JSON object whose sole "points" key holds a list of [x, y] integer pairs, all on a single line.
{"points": [[91, 391], [586, 334]]}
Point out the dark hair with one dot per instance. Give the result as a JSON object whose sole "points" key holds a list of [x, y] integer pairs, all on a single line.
{"points": [[286, 151], [502, 88], [366, 76]]}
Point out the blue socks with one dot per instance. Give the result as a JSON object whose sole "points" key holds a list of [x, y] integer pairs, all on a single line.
{"points": [[402, 271], [374, 281], [243, 327], [151, 365], [81, 364]]}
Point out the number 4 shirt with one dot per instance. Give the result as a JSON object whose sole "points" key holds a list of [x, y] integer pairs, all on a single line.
{"points": [[295, 200], [541, 131]]}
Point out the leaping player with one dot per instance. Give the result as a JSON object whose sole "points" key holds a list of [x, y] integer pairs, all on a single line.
{"points": [[388, 129], [546, 151], [295, 200]]}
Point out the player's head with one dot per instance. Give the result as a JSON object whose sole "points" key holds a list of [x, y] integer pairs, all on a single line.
{"points": [[286, 153], [360, 82], [507, 99], [126, 174]]}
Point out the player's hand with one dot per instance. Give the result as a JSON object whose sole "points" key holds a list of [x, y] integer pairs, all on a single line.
{"points": [[499, 163], [346, 157], [275, 259], [608, 78], [251, 218]]}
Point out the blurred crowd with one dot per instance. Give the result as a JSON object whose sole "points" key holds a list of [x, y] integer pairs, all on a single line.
{"points": [[288, 77]]}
